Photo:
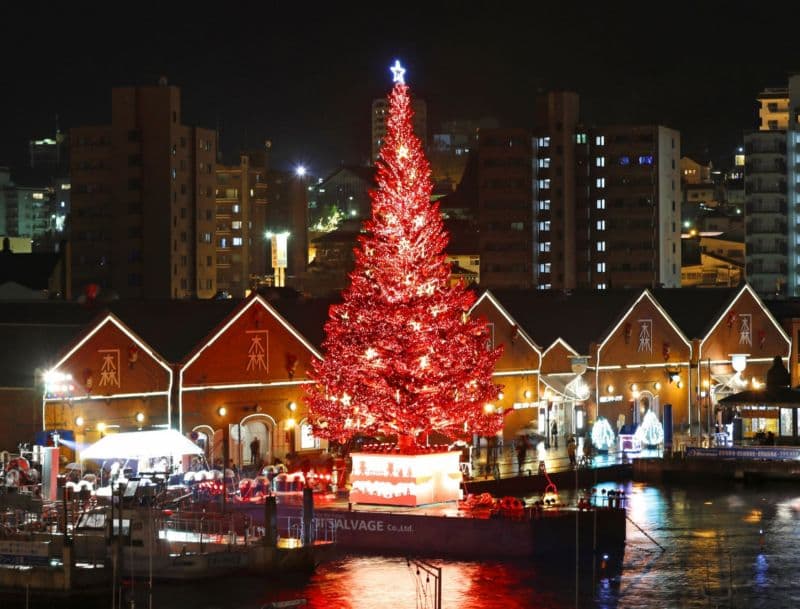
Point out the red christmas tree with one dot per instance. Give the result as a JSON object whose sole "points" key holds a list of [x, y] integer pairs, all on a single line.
{"points": [[401, 355]]}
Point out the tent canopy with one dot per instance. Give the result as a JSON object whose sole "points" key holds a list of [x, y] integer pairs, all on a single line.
{"points": [[772, 396], [142, 445]]}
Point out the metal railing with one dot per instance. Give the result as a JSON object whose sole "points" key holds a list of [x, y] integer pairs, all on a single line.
{"points": [[322, 529]]}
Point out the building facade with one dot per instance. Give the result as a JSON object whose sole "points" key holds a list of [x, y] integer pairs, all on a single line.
{"points": [[143, 204], [241, 215]]}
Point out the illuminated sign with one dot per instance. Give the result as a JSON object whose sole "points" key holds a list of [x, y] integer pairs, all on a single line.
{"points": [[604, 399], [279, 243], [405, 480]]}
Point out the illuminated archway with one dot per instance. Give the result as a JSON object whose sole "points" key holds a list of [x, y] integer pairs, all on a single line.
{"points": [[260, 427]]}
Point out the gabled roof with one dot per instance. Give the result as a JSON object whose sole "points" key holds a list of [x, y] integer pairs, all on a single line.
{"points": [[579, 317], [307, 315], [695, 310], [172, 327]]}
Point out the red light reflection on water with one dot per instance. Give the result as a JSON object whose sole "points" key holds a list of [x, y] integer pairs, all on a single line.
{"points": [[375, 582]]}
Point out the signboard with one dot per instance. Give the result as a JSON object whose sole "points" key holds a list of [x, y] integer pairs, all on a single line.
{"points": [[405, 480], [771, 453], [605, 399], [279, 243], [14, 552]]}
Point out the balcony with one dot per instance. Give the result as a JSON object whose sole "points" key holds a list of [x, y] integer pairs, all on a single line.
{"points": [[765, 228]]}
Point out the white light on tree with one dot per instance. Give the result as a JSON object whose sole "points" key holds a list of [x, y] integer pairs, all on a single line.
{"points": [[602, 434], [650, 432]]}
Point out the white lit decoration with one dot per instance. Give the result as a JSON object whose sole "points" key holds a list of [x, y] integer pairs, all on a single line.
{"points": [[650, 432], [109, 369], [745, 332], [602, 435], [405, 480], [398, 72], [646, 335], [257, 353]]}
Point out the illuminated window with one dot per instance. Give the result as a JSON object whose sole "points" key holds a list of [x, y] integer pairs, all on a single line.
{"points": [[601, 267], [600, 140], [600, 183], [235, 208], [601, 225], [545, 183], [307, 439], [601, 286], [544, 267], [646, 160], [600, 161], [624, 160], [544, 205], [544, 286], [237, 241], [544, 246], [236, 224], [543, 142], [544, 225], [517, 226], [601, 203], [601, 246], [544, 163], [580, 138]]}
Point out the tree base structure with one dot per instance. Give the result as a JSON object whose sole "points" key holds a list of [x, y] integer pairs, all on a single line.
{"points": [[405, 480]]}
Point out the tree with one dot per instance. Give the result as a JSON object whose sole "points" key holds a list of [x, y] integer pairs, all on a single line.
{"points": [[402, 356]]}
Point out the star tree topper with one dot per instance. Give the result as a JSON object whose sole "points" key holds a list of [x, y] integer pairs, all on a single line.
{"points": [[398, 72]]}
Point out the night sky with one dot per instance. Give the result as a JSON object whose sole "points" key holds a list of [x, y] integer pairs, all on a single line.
{"points": [[303, 75]]}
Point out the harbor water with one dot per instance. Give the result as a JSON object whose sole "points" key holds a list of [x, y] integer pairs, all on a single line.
{"points": [[723, 546]]}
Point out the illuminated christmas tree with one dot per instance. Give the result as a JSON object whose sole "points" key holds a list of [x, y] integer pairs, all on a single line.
{"points": [[650, 432], [602, 435], [401, 355]]}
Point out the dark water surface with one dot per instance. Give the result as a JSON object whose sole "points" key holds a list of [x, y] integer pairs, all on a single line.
{"points": [[725, 546]]}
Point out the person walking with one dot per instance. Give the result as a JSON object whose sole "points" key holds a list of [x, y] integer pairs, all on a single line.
{"points": [[571, 448], [255, 450], [554, 434], [522, 451]]}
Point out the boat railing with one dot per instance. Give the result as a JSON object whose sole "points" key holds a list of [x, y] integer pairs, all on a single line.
{"points": [[322, 529]]}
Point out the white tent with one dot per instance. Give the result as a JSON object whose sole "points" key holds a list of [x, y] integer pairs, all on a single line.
{"points": [[141, 445]]}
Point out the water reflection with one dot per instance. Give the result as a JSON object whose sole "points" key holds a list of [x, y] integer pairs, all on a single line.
{"points": [[724, 545]]}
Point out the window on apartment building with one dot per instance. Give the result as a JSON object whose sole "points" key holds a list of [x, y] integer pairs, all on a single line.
{"points": [[183, 236], [646, 159], [544, 246], [600, 182], [601, 203], [135, 184], [624, 160], [600, 161], [544, 267], [183, 189], [237, 241], [236, 208], [544, 225], [209, 261], [134, 135], [600, 140], [544, 205], [517, 226], [173, 174], [205, 237], [601, 246], [184, 261], [580, 138], [543, 142], [601, 267], [134, 279], [236, 225], [184, 283], [544, 286], [601, 225], [543, 183], [183, 212], [543, 163], [174, 269], [209, 214], [601, 286]]}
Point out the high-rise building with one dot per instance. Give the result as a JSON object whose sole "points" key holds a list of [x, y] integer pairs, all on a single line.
{"points": [[505, 209], [557, 181], [629, 217], [450, 148], [143, 205], [569, 207], [25, 211], [769, 217], [241, 247], [380, 110]]}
